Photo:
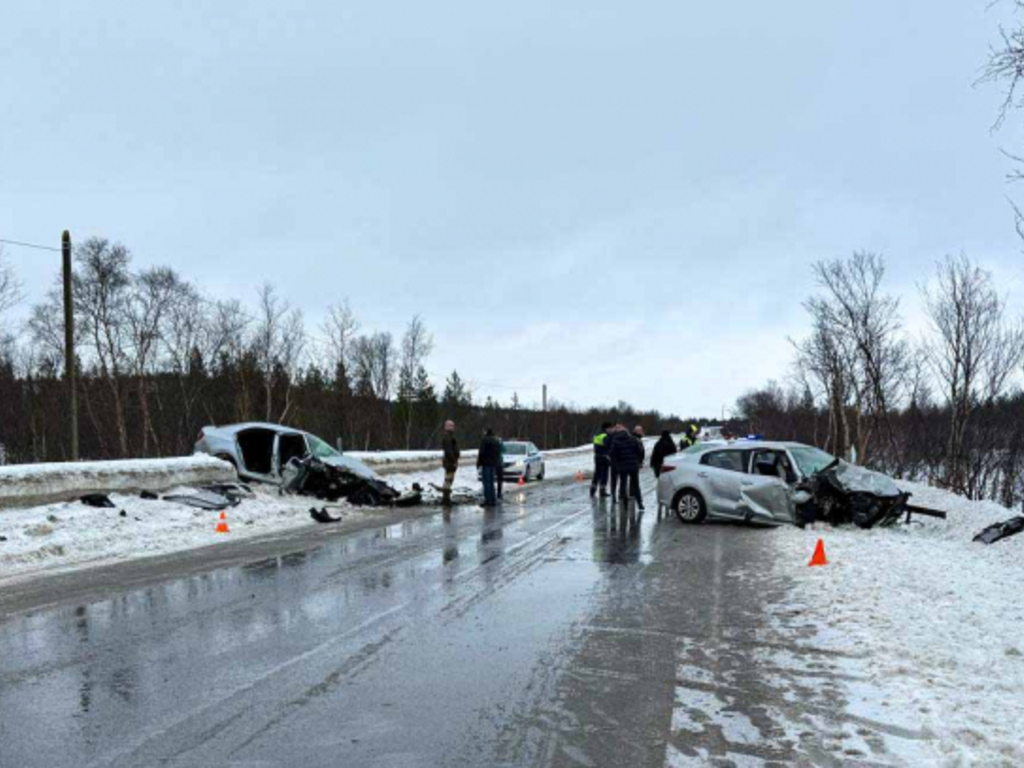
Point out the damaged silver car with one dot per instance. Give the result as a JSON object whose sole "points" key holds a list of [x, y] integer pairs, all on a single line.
{"points": [[775, 483], [298, 462]]}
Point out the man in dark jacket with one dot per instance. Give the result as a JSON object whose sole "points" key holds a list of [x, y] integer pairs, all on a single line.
{"points": [[626, 455], [602, 442], [665, 446], [488, 459], [450, 461]]}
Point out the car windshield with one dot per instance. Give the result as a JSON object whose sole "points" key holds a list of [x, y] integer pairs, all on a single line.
{"points": [[811, 460], [515, 449], [319, 448]]}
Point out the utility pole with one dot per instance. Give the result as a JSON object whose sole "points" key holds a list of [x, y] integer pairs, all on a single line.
{"points": [[544, 400], [70, 370]]}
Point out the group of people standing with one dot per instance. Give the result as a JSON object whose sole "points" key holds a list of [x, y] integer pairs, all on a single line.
{"points": [[489, 460], [619, 455]]}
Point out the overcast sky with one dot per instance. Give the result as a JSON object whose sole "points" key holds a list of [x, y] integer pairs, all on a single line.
{"points": [[619, 199]]}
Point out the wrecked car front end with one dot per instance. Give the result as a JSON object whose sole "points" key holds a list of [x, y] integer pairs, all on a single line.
{"points": [[843, 493], [339, 477]]}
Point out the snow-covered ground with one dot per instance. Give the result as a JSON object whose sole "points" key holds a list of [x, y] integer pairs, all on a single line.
{"points": [[926, 626], [25, 484], [68, 535]]}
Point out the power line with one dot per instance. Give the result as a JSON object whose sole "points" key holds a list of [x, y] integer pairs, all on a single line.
{"points": [[30, 245]]}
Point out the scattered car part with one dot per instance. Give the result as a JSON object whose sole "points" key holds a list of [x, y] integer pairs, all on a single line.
{"points": [[323, 516], [203, 500], [98, 500], [1002, 530], [149, 496]]}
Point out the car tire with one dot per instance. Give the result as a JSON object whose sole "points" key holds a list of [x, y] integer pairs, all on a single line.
{"points": [[541, 475], [689, 507], [526, 474]]}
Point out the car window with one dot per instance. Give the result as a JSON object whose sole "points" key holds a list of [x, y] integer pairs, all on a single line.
{"points": [[729, 460], [319, 448], [533, 448], [515, 449], [773, 464], [810, 459]]}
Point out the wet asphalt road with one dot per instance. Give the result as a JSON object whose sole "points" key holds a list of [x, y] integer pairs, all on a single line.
{"points": [[555, 631]]}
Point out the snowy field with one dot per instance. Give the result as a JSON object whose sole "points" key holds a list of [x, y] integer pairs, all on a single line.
{"points": [[926, 626]]}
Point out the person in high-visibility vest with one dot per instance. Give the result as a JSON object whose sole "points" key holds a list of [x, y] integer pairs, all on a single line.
{"points": [[689, 437], [602, 462]]}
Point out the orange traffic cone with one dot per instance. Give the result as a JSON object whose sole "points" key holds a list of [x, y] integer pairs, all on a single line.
{"points": [[222, 526], [522, 480], [819, 554]]}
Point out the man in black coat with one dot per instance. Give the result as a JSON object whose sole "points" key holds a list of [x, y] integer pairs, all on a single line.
{"points": [[665, 446], [627, 454], [488, 459]]}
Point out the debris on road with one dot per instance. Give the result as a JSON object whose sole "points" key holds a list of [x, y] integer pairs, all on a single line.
{"points": [[98, 500], [203, 499], [998, 531], [323, 516]]}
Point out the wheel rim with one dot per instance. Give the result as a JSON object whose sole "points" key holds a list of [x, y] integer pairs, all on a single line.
{"points": [[689, 507]]}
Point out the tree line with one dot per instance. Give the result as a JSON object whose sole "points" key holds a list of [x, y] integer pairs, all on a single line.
{"points": [[946, 408], [157, 360]]}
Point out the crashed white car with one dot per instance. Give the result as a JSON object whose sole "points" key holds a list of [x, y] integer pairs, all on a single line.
{"points": [[775, 482]]}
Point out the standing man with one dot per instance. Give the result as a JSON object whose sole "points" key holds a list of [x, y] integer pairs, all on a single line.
{"points": [[665, 446], [601, 461], [627, 453], [488, 459], [500, 474], [638, 433], [450, 461], [613, 466]]}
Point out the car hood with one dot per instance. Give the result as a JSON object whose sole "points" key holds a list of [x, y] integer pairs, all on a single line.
{"points": [[853, 479], [349, 464]]}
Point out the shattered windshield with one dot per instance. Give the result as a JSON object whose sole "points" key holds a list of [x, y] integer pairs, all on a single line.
{"points": [[319, 448], [810, 460]]}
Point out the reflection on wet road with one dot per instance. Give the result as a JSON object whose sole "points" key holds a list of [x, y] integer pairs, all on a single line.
{"points": [[553, 631]]}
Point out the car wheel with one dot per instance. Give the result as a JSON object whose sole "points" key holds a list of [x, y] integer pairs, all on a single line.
{"points": [[526, 474], [540, 476], [689, 507]]}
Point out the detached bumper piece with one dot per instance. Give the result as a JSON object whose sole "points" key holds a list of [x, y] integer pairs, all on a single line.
{"points": [[1000, 531]]}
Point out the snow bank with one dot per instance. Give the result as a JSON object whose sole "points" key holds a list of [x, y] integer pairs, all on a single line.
{"points": [[24, 485], [926, 626]]}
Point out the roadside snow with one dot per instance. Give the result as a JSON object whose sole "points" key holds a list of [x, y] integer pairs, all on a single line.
{"points": [[927, 626], [26, 484]]}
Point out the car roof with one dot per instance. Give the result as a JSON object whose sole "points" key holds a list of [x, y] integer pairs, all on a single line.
{"points": [[232, 429], [747, 445]]}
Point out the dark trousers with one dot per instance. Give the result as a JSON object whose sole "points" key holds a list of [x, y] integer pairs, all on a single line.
{"points": [[600, 475], [629, 481], [487, 476], [616, 475], [499, 479]]}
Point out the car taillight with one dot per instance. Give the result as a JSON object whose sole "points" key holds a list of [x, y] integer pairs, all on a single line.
{"points": [[667, 468]]}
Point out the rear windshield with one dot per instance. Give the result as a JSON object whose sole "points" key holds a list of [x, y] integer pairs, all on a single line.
{"points": [[810, 459], [515, 449]]}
